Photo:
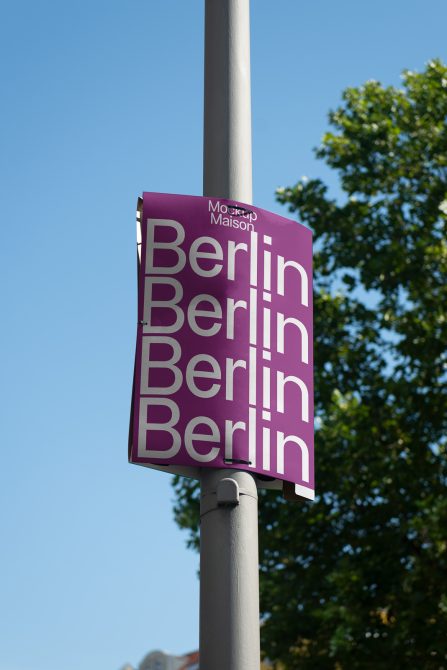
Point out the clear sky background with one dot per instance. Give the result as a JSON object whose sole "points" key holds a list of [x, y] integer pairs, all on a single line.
{"points": [[100, 101]]}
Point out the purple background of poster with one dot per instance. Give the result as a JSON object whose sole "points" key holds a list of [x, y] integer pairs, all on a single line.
{"points": [[289, 239]]}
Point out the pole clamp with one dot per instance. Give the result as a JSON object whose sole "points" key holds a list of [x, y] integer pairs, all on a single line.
{"points": [[227, 494]]}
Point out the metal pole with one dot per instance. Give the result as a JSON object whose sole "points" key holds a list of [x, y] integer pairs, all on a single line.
{"points": [[229, 582], [229, 577], [227, 127]]}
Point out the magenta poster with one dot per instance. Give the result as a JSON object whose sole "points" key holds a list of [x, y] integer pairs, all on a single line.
{"points": [[224, 359]]}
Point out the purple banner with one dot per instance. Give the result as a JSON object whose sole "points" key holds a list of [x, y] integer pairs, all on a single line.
{"points": [[223, 375]]}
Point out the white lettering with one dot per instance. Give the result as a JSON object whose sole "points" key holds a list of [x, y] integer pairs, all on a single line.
{"points": [[192, 373], [190, 436], [150, 305], [281, 324], [231, 366], [169, 364], [303, 274], [281, 443], [173, 246], [230, 429], [145, 426], [194, 312], [233, 248], [195, 254], [232, 306], [281, 381]]}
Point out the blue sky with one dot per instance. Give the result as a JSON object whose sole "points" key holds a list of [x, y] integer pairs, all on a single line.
{"points": [[101, 100]]}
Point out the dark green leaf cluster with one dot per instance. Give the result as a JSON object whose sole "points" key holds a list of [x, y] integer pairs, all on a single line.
{"points": [[358, 579]]}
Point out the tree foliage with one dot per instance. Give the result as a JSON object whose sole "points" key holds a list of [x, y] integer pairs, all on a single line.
{"points": [[358, 579]]}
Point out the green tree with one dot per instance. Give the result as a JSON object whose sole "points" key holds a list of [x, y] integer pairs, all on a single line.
{"points": [[358, 579]]}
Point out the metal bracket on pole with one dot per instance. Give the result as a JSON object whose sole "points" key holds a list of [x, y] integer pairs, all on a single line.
{"points": [[228, 492]]}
